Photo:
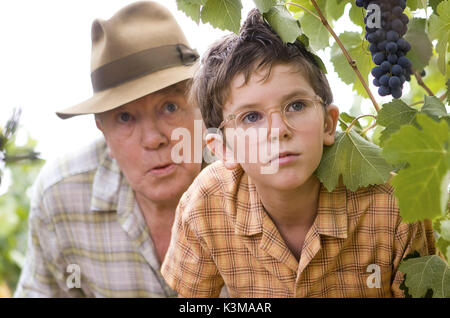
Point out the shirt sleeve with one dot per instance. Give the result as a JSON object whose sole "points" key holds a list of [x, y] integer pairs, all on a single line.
{"points": [[418, 236], [188, 267], [41, 276]]}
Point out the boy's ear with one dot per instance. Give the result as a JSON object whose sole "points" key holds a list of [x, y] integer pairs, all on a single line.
{"points": [[331, 119], [215, 144]]}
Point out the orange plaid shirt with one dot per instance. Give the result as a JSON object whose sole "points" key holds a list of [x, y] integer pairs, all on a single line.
{"points": [[222, 235]]}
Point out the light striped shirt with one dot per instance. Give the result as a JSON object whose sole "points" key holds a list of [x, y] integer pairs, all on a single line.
{"points": [[83, 212]]}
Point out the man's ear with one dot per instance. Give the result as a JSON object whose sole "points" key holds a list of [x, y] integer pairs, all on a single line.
{"points": [[98, 123], [215, 144], [331, 119]]}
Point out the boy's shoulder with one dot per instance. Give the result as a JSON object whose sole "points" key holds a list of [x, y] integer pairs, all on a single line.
{"points": [[215, 187]]}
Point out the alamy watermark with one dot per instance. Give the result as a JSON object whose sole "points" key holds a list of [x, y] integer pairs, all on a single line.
{"points": [[259, 145], [74, 279]]}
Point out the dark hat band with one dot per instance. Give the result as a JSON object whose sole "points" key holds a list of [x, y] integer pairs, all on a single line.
{"points": [[141, 63]]}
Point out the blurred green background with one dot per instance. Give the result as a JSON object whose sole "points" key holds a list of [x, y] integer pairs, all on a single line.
{"points": [[20, 168]]}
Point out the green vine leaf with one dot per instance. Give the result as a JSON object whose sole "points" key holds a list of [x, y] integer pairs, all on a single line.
{"points": [[223, 14], [439, 28], [393, 115], [424, 273], [421, 47], [358, 161], [421, 187], [286, 26], [265, 5], [357, 49], [192, 10], [434, 108]]}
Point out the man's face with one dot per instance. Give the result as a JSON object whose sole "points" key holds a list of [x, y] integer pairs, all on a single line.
{"points": [[138, 135], [300, 148]]}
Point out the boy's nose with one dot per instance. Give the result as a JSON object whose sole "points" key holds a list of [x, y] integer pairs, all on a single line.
{"points": [[277, 121]]}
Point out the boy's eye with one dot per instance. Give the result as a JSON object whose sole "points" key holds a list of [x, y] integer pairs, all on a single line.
{"points": [[251, 117], [171, 107], [124, 117], [295, 106]]}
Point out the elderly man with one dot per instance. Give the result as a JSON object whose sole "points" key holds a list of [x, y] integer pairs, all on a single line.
{"points": [[100, 219]]}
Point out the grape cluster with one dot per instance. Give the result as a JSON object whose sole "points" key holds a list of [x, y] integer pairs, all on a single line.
{"points": [[388, 48]]}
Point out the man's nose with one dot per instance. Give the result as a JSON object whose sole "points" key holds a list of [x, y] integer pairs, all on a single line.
{"points": [[152, 137]]}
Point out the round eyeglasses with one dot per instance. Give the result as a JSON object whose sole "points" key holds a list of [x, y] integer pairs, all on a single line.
{"points": [[294, 114]]}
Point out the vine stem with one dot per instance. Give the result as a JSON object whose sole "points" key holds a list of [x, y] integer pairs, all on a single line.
{"points": [[304, 8], [356, 119], [421, 83], [350, 61]]}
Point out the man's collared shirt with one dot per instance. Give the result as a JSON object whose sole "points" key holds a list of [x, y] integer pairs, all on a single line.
{"points": [[86, 231], [222, 235]]}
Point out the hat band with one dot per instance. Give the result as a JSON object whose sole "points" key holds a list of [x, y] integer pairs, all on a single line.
{"points": [[141, 63]]}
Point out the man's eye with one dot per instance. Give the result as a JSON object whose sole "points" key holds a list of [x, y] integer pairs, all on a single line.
{"points": [[251, 117], [125, 117], [296, 106], [171, 108]]}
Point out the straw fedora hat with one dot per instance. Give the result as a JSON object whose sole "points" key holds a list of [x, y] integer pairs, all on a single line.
{"points": [[138, 51]]}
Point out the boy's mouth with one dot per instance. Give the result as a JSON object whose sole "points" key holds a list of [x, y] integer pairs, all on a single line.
{"points": [[285, 157]]}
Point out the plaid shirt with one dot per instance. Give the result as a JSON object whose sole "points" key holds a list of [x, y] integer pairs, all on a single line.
{"points": [[83, 212], [222, 235]]}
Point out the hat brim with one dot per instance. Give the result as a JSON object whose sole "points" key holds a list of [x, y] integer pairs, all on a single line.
{"points": [[121, 94]]}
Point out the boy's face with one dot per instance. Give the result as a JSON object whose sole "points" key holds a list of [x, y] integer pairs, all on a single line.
{"points": [[301, 148]]}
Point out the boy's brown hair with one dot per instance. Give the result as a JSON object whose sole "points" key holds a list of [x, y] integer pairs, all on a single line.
{"points": [[257, 47]]}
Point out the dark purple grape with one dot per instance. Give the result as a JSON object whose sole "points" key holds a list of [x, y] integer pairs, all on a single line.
{"points": [[384, 90], [384, 80], [394, 82], [377, 72], [397, 70], [397, 25], [397, 11], [392, 58], [376, 82], [396, 92], [392, 36], [391, 47], [386, 66], [378, 58], [404, 61]]}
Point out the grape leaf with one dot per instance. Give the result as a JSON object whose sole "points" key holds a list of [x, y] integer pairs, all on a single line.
{"points": [[192, 10], [199, 2], [357, 49], [358, 161], [357, 15], [348, 119], [281, 20], [434, 3], [439, 28], [448, 90], [433, 107], [427, 272], [421, 187], [265, 5], [334, 9], [416, 4], [223, 14], [393, 115], [315, 30], [421, 47]]}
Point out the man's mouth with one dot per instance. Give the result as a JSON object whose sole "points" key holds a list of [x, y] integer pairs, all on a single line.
{"points": [[162, 169]]}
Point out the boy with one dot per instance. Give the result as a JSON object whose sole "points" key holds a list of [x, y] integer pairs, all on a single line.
{"points": [[280, 234]]}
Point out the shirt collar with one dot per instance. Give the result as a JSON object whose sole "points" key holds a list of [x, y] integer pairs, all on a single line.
{"points": [[331, 219], [106, 183]]}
